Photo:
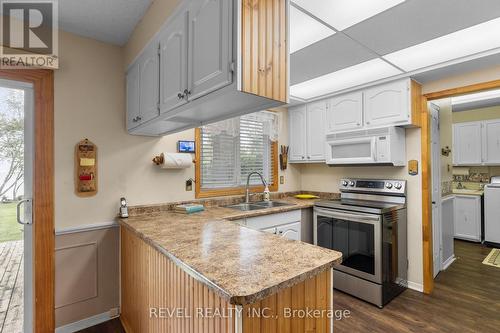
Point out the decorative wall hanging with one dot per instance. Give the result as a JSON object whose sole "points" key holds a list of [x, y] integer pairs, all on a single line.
{"points": [[85, 168]]}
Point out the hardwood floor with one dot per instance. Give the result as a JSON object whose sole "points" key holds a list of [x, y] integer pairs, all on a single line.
{"points": [[466, 299]]}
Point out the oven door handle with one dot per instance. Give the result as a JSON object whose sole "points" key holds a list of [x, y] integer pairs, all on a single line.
{"points": [[347, 216]]}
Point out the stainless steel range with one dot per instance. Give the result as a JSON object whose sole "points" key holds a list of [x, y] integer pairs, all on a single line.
{"points": [[368, 225]]}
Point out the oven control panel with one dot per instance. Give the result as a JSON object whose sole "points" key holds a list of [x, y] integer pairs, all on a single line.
{"points": [[388, 186]]}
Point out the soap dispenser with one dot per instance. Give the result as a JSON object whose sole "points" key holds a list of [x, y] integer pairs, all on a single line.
{"points": [[267, 194]]}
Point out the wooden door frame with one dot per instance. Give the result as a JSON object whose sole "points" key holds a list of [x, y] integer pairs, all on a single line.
{"points": [[426, 172], [43, 193]]}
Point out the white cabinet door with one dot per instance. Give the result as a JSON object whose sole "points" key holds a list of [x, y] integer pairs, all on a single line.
{"points": [[289, 231], [315, 131], [467, 143], [210, 33], [133, 107], [173, 63], [297, 133], [149, 81], [491, 140], [468, 217], [388, 104], [345, 113]]}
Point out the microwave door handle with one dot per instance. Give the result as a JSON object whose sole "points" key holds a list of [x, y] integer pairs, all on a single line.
{"points": [[374, 149], [347, 216]]}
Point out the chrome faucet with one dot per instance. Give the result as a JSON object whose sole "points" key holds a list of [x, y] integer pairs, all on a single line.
{"points": [[247, 189]]}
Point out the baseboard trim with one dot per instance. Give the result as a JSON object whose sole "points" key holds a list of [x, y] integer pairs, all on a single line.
{"points": [[416, 286], [84, 323], [447, 263]]}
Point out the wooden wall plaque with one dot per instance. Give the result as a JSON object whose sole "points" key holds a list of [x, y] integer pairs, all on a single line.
{"points": [[85, 168]]}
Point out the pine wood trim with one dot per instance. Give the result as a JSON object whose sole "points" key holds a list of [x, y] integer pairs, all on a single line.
{"points": [[312, 294], [264, 48], [416, 103], [427, 250], [43, 193], [203, 193], [463, 90], [151, 280]]}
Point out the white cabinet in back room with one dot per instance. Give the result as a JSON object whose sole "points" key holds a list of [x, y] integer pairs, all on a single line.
{"points": [[307, 132], [345, 113], [468, 217], [477, 143], [491, 139], [388, 104]]}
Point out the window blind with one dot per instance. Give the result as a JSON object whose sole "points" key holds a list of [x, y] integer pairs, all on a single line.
{"points": [[231, 151]]}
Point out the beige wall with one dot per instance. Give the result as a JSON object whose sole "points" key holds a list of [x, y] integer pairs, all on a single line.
{"points": [[446, 137], [320, 177], [477, 114]]}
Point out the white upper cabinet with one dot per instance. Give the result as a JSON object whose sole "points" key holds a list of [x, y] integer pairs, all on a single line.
{"points": [[149, 83], [307, 132], [210, 23], [133, 96], [207, 64], [173, 63], [388, 104], [467, 143], [491, 139], [315, 131], [345, 113], [297, 133]]}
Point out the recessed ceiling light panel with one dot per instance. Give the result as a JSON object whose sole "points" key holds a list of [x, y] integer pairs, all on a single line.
{"points": [[304, 30], [476, 39], [349, 77], [342, 14]]}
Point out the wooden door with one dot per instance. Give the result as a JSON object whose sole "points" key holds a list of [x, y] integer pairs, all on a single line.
{"points": [[210, 46], [345, 113], [173, 63], [467, 143], [149, 80], [297, 134], [133, 108], [491, 140], [315, 131], [388, 104]]}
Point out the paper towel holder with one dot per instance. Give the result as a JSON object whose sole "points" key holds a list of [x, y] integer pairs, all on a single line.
{"points": [[160, 159]]}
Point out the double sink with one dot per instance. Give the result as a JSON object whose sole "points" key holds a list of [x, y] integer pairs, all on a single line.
{"points": [[258, 205]]}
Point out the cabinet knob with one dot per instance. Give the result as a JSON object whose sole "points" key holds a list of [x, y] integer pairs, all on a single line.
{"points": [[308, 157], [368, 123], [303, 157], [358, 124], [187, 92], [180, 95], [139, 118]]}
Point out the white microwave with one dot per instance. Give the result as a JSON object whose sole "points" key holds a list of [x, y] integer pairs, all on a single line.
{"points": [[385, 146]]}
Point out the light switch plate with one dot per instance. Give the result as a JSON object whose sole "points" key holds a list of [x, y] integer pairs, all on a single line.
{"points": [[282, 180], [189, 185]]}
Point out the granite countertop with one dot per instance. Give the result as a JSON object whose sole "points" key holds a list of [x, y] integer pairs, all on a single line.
{"points": [[238, 263]]}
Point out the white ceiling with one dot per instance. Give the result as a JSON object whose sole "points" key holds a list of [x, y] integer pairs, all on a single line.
{"points": [[110, 21], [400, 26]]}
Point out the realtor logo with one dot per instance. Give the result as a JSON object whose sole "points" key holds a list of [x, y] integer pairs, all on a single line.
{"points": [[29, 34]]}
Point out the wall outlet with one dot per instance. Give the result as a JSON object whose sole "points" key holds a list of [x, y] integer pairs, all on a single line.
{"points": [[282, 180], [189, 185]]}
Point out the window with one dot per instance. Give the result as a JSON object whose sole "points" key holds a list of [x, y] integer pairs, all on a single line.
{"points": [[228, 151]]}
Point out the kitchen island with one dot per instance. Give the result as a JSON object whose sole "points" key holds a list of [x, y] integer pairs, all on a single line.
{"points": [[204, 273]]}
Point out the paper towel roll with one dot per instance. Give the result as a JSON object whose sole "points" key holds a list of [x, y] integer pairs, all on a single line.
{"points": [[176, 161]]}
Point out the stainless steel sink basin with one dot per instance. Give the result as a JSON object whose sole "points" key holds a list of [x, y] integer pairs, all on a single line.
{"points": [[271, 204], [245, 207], [258, 205]]}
